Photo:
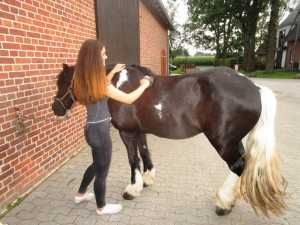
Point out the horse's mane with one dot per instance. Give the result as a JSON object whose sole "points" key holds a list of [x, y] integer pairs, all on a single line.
{"points": [[144, 70], [63, 73], [60, 79]]}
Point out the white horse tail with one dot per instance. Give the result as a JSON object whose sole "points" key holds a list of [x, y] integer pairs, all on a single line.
{"points": [[262, 180]]}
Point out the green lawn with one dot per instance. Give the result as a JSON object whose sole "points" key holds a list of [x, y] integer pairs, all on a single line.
{"points": [[179, 71], [278, 74]]}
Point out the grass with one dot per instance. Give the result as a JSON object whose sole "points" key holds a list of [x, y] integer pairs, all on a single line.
{"points": [[13, 205], [179, 71], [278, 74], [10, 207]]}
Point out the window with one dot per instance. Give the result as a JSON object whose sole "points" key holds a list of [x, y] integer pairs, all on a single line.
{"points": [[291, 57], [281, 38]]}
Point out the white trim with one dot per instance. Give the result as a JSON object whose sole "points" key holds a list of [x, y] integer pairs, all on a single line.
{"points": [[100, 121]]}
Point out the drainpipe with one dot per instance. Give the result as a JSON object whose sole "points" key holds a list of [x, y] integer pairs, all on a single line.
{"points": [[296, 39]]}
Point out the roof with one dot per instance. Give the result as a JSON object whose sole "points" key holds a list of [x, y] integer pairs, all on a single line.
{"points": [[292, 34], [260, 50], [291, 17], [158, 9]]}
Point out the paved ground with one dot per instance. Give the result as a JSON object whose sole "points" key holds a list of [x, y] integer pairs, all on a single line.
{"points": [[188, 173]]}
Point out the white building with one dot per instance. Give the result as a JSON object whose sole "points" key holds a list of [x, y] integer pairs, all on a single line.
{"points": [[286, 35]]}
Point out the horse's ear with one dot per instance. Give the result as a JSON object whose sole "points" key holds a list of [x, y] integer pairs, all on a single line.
{"points": [[65, 67]]}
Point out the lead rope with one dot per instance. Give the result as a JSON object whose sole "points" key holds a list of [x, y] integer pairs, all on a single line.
{"points": [[20, 124]]}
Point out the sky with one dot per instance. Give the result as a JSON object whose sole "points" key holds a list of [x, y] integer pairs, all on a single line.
{"points": [[182, 11], [180, 19]]}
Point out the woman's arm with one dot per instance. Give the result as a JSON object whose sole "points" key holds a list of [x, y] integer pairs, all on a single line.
{"points": [[116, 69], [123, 97]]}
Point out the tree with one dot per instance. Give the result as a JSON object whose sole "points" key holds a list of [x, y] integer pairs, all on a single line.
{"points": [[276, 5], [262, 29], [247, 13], [226, 25], [212, 26], [175, 37], [290, 4]]}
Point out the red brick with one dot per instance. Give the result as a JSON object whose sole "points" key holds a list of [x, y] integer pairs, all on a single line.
{"points": [[5, 125], [33, 47], [13, 53], [17, 32], [8, 16], [29, 7], [7, 23], [33, 35], [4, 8], [4, 53], [22, 164], [16, 74], [22, 60], [6, 60], [13, 3], [6, 182], [6, 174], [27, 47], [8, 89]]}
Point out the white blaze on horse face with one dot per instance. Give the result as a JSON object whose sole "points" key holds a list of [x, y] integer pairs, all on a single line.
{"points": [[159, 107], [123, 78]]}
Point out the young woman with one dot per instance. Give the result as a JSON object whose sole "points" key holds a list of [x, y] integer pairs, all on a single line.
{"points": [[92, 88]]}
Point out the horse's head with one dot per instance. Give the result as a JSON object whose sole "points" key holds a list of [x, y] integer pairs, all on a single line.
{"points": [[64, 99]]}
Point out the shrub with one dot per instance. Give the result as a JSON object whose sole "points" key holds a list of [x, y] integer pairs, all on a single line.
{"points": [[229, 62], [197, 60]]}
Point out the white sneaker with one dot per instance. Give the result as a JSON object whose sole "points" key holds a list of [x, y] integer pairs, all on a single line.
{"points": [[110, 209], [86, 197]]}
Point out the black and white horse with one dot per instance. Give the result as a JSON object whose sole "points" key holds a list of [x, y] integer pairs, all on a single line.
{"points": [[219, 102]]}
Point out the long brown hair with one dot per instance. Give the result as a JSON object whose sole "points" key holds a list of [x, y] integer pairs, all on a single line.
{"points": [[90, 75]]}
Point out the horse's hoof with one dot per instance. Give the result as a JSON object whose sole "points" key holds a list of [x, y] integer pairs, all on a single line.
{"points": [[145, 185], [127, 196], [222, 212]]}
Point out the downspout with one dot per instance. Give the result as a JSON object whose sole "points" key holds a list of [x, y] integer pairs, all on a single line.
{"points": [[168, 57], [295, 44]]}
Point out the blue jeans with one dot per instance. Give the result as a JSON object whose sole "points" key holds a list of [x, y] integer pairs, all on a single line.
{"points": [[97, 136]]}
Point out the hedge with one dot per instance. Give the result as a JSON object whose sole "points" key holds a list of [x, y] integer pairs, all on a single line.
{"points": [[229, 62], [197, 60]]}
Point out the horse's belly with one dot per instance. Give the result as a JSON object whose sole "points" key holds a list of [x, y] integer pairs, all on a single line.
{"points": [[174, 135], [166, 130]]}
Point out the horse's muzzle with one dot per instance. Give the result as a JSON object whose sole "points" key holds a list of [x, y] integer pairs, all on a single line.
{"points": [[57, 109]]}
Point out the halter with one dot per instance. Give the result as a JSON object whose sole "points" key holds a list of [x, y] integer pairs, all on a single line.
{"points": [[69, 92]]}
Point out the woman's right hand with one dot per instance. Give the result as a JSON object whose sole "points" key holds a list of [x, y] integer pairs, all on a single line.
{"points": [[145, 82], [121, 96], [118, 68]]}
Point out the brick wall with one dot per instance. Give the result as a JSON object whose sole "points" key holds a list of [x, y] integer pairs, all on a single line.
{"points": [[288, 64], [153, 38], [36, 37]]}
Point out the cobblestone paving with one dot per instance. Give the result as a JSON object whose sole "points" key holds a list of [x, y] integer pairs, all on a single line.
{"points": [[188, 173]]}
